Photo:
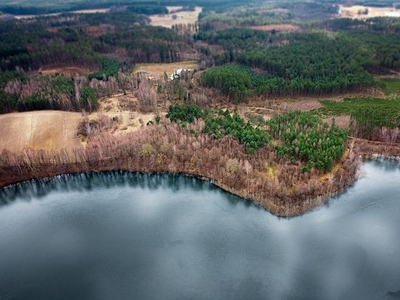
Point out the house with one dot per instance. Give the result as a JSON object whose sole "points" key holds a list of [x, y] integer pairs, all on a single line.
{"points": [[177, 73]]}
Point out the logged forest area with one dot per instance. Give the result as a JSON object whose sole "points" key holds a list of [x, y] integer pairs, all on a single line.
{"points": [[275, 101]]}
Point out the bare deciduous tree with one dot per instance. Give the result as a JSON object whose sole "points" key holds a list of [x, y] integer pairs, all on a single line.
{"points": [[147, 97]]}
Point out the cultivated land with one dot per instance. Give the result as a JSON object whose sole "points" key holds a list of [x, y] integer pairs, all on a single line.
{"points": [[48, 130], [182, 17], [55, 130]]}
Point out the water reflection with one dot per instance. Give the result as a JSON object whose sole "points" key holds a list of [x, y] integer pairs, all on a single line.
{"points": [[36, 189], [119, 235]]}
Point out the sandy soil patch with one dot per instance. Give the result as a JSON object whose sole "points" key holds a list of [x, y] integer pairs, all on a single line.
{"points": [[301, 105], [363, 12], [124, 109], [277, 27], [49, 130], [340, 121], [156, 71], [68, 71], [182, 17]]}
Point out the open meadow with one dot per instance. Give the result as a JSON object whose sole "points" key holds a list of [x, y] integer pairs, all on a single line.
{"points": [[175, 16], [364, 12]]}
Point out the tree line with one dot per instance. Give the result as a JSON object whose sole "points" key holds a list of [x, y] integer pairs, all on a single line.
{"points": [[48, 92]]}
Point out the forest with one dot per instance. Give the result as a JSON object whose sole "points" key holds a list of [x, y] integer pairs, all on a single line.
{"points": [[324, 56]]}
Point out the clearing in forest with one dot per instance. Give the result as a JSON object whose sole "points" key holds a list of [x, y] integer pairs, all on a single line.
{"points": [[364, 12], [175, 16], [156, 71], [277, 27], [67, 71]]}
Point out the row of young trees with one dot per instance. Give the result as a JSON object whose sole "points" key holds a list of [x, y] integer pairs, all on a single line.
{"points": [[239, 82]]}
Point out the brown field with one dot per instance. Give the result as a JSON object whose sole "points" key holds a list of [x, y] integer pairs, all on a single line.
{"points": [[183, 17], [156, 71], [68, 71], [340, 121], [49, 130], [352, 12], [92, 11], [83, 11], [277, 27]]}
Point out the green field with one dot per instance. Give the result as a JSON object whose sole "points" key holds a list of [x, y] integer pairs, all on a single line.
{"points": [[390, 85], [379, 112]]}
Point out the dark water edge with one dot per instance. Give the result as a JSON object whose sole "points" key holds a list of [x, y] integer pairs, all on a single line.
{"points": [[121, 235], [39, 188]]}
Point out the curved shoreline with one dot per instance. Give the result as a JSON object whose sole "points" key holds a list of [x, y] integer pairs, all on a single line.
{"points": [[291, 203], [271, 204]]}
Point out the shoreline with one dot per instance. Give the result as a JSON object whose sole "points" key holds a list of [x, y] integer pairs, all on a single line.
{"points": [[270, 206], [280, 202]]}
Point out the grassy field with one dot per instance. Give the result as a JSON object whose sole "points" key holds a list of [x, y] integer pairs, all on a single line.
{"points": [[372, 12], [390, 85], [383, 112], [181, 17]]}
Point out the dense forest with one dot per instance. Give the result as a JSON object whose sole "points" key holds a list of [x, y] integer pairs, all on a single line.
{"points": [[315, 63], [82, 39]]}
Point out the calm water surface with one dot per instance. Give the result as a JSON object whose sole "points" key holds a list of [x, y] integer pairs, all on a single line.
{"points": [[130, 236]]}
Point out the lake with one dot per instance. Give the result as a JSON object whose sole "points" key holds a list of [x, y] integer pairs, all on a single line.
{"points": [[123, 235]]}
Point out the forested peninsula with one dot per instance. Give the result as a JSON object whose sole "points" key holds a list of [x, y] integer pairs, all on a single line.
{"points": [[275, 102]]}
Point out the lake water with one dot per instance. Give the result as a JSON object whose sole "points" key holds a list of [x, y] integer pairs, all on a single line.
{"points": [[131, 236]]}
